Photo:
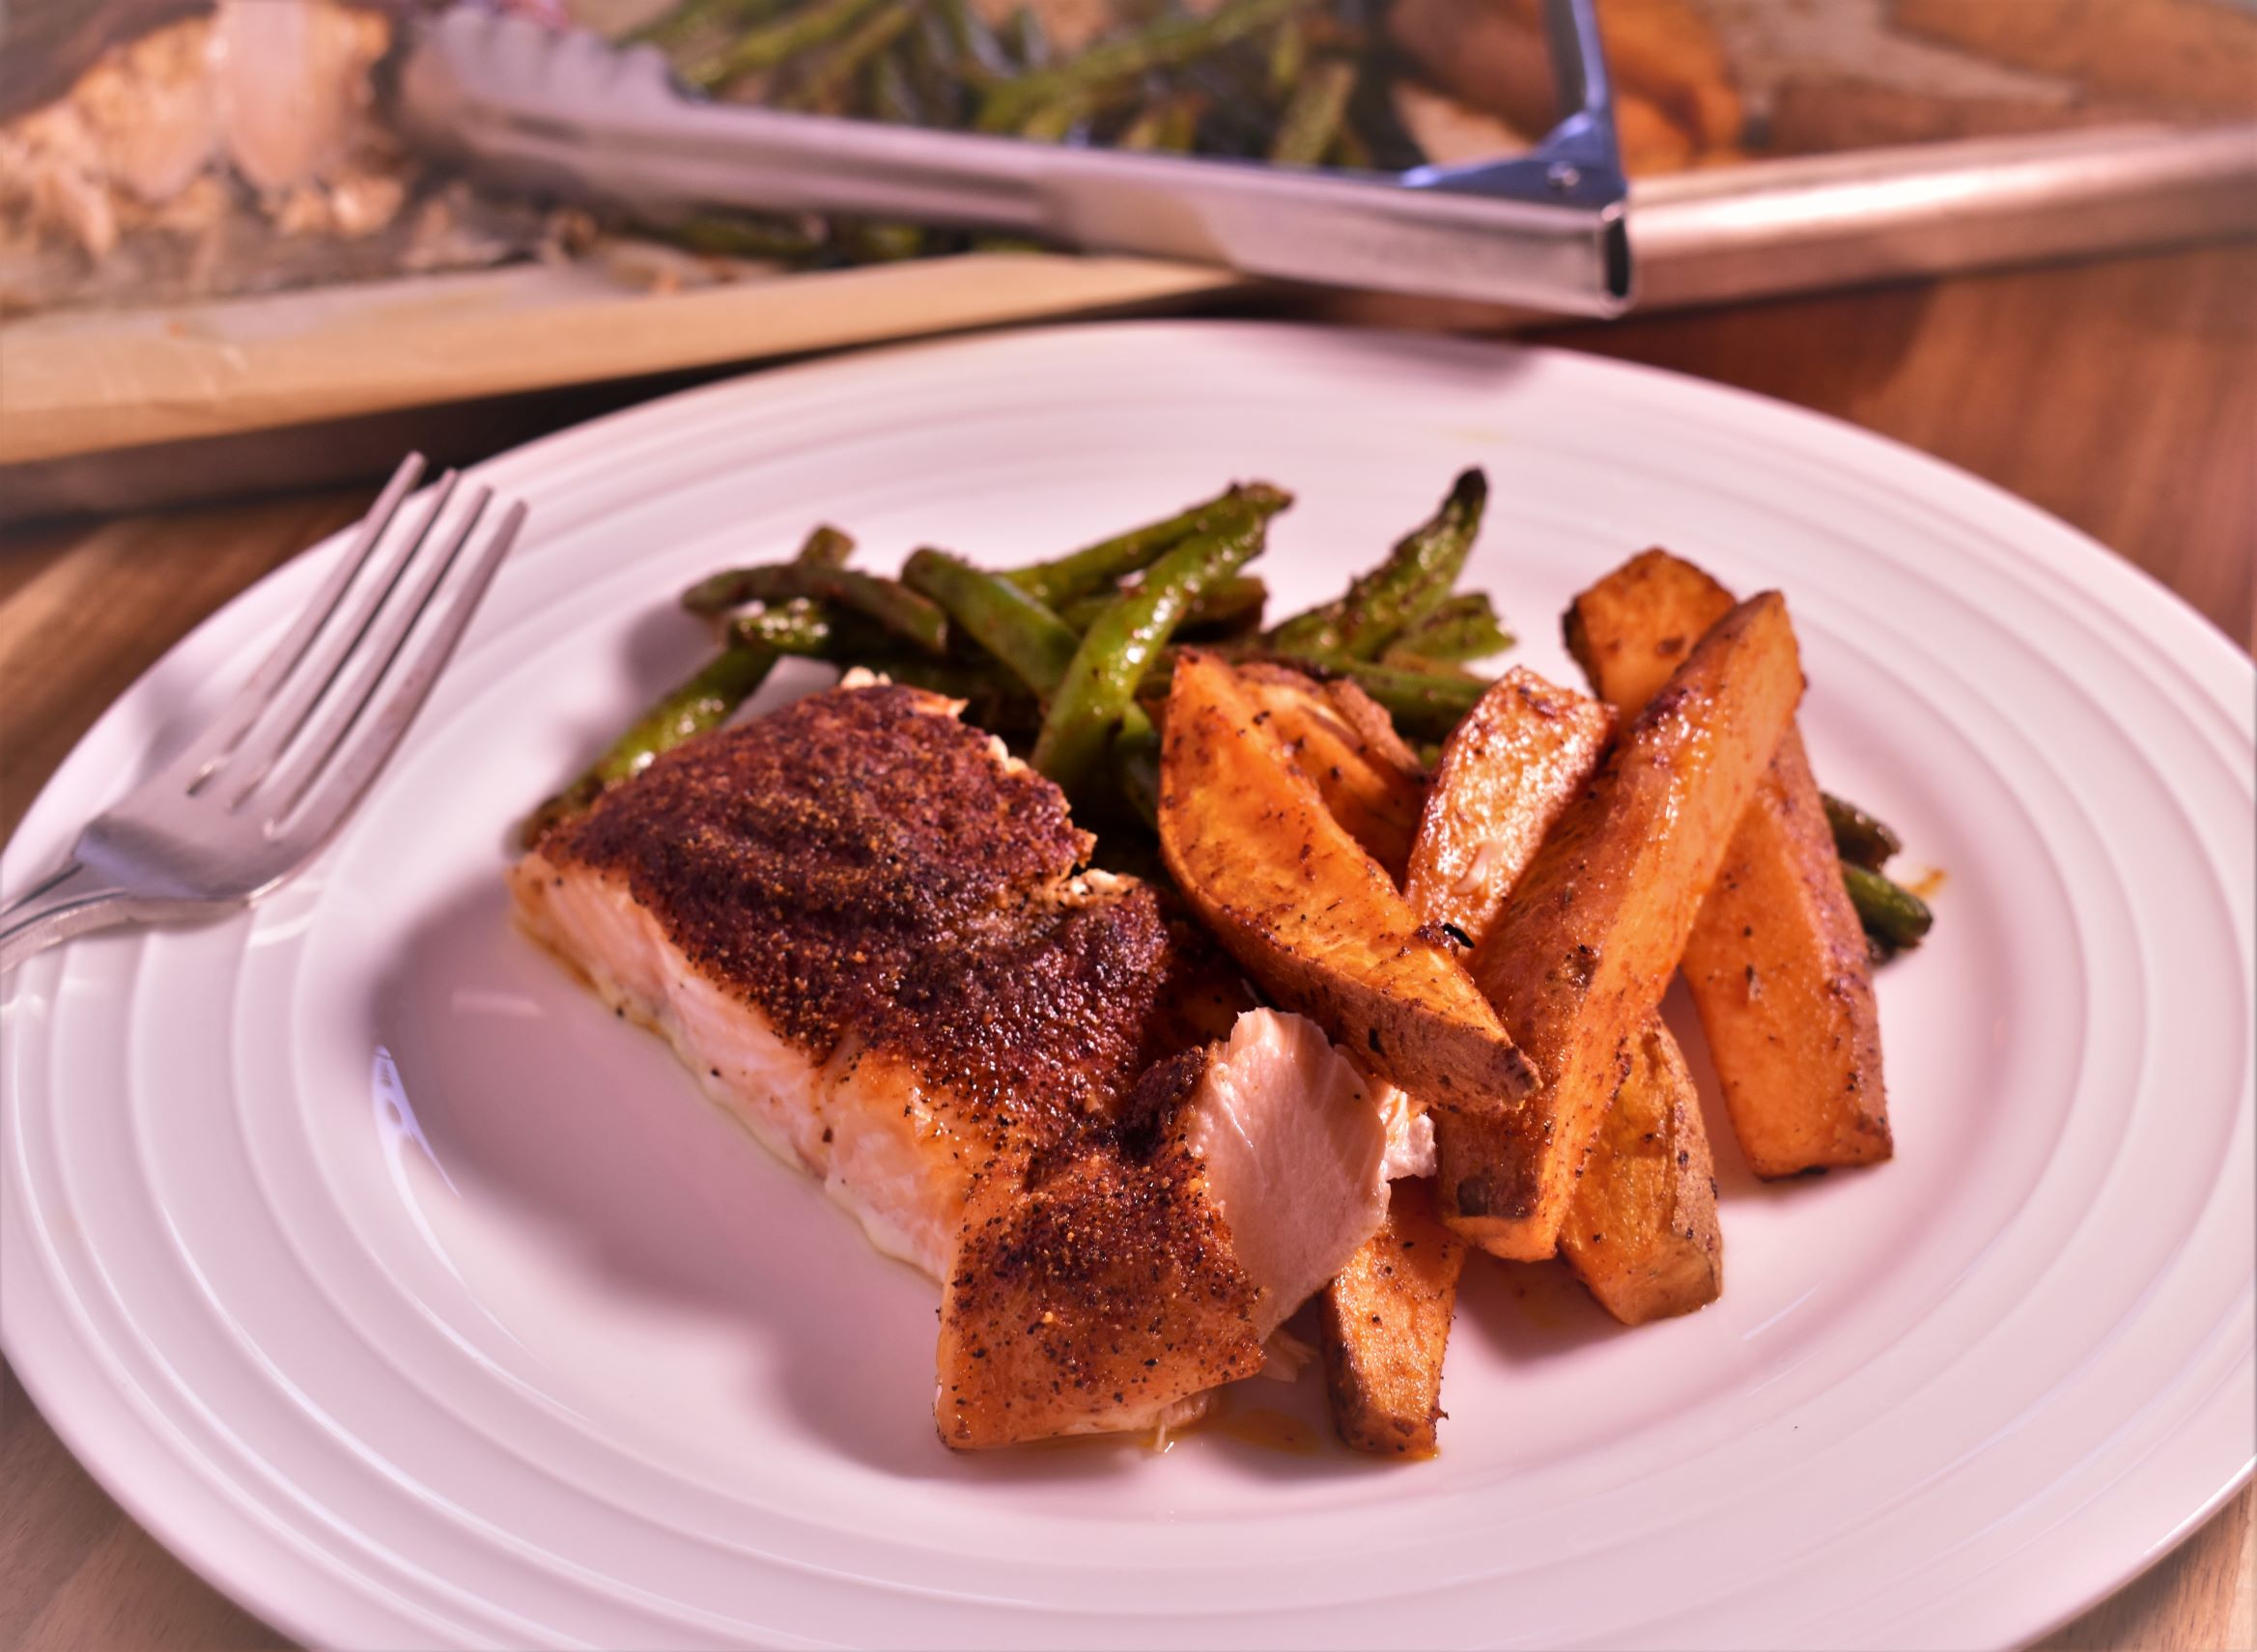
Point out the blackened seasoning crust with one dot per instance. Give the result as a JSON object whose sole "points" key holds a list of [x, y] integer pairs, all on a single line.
{"points": [[882, 889], [1097, 1291], [860, 863]]}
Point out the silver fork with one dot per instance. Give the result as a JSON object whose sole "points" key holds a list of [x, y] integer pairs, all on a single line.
{"points": [[256, 795]]}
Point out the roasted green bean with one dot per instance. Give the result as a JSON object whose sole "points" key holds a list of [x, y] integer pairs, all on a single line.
{"points": [[890, 91], [1464, 627], [1169, 125], [1167, 43], [1122, 643], [1106, 563], [1135, 762], [1228, 604], [1017, 629], [830, 80], [1289, 56], [703, 702], [1425, 705], [1024, 39], [1055, 121], [1412, 582], [980, 54], [743, 236], [1312, 120], [826, 546], [771, 44], [684, 22], [793, 627], [1858, 837], [1892, 915], [900, 610]]}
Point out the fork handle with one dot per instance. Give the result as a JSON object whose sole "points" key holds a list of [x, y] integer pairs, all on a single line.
{"points": [[71, 902]]}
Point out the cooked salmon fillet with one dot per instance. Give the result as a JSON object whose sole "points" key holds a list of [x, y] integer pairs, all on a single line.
{"points": [[1148, 1260], [871, 935], [874, 938]]}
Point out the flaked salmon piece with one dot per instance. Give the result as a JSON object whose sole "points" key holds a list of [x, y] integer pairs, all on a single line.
{"points": [[870, 935], [1135, 1269], [1297, 1150]]}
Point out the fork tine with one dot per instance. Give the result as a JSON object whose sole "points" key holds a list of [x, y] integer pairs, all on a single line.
{"points": [[294, 701], [217, 742], [378, 647], [331, 794]]}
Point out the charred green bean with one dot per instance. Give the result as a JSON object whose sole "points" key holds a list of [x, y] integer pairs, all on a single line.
{"points": [[1425, 705], [1017, 629], [1169, 125], [687, 20], [1412, 582], [1464, 627], [1122, 643], [703, 702], [1102, 565], [1892, 915], [1228, 604], [1313, 117], [1166, 43], [1859, 838], [1136, 762], [830, 80], [773, 44], [899, 609]]}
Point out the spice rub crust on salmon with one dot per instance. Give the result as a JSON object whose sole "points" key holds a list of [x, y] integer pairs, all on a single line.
{"points": [[870, 934], [1147, 1259], [873, 937]]}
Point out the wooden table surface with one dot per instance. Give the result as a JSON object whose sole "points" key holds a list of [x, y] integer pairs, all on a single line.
{"points": [[2121, 396]]}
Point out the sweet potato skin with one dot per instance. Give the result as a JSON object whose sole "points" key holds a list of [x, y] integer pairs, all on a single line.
{"points": [[1593, 932], [1506, 772], [1643, 1234], [1313, 918], [1385, 1324], [1777, 962]]}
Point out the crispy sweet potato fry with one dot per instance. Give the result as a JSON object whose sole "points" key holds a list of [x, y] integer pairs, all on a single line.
{"points": [[2174, 56], [1593, 930], [1643, 1234], [1777, 962], [1664, 50], [1312, 916], [1346, 743], [1386, 1323], [1505, 774], [1818, 115], [1493, 59]]}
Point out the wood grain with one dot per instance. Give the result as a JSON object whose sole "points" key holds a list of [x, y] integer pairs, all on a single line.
{"points": [[2122, 396]]}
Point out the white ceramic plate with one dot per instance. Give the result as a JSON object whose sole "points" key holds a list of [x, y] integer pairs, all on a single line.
{"points": [[412, 1298]]}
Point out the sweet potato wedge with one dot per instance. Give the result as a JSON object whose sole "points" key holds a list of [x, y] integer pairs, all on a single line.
{"points": [[1594, 930], [1507, 772], [1347, 746], [1776, 962], [1494, 59], [1312, 916], [1643, 1234], [2176, 57], [1385, 1323], [1665, 50]]}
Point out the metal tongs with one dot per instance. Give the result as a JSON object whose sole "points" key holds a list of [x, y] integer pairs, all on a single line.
{"points": [[566, 114]]}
